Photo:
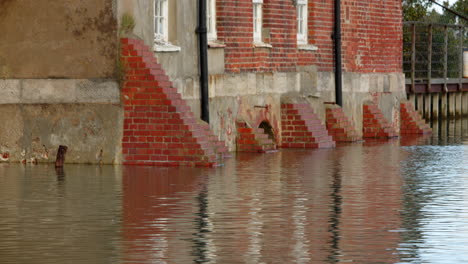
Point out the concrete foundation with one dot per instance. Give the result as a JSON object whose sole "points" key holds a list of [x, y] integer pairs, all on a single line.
{"points": [[256, 97], [39, 115], [86, 115]]}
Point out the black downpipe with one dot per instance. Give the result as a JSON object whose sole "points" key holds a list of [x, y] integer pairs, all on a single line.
{"points": [[338, 66], [203, 45]]}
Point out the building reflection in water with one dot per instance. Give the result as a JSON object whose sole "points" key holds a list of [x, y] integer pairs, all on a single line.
{"points": [[320, 206], [159, 208], [377, 202], [371, 203], [65, 216]]}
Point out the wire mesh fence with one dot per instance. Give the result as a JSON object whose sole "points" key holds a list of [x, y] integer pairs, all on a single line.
{"points": [[433, 51]]}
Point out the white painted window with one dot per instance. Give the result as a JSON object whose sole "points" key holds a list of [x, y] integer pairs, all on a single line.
{"points": [[161, 19], [161, 27], [257, 20], [302, 14], [211, 19]]}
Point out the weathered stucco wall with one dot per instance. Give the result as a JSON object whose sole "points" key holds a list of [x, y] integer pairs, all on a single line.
{"points": [[142, 12], [39, 115], [58, 81], [51, 91], [34, 132], [58, 39]]}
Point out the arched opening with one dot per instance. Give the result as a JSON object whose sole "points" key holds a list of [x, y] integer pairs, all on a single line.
{"points": [[268, 130]]}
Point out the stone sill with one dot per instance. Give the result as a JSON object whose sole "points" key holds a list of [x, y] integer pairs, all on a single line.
{"points": [[166, 47], [262, 45], [213, 44], [307, 47]]}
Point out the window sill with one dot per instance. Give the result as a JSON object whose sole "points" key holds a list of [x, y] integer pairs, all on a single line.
{"points": [[214, 44], [307, 47], [166, 47], [262, 45]]}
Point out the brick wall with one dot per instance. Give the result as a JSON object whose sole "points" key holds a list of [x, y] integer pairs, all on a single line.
{"points": [[320, 25], [372, 36], [235, 29]]}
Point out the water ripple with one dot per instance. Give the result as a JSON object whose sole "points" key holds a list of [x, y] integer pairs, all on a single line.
{"points": [[378, 202]]}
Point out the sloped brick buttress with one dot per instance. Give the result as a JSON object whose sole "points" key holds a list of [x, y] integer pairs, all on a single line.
{"points": [[339, 126], [159, 127], [301, 128], [374, 123], [412, 122], [253, 139]]}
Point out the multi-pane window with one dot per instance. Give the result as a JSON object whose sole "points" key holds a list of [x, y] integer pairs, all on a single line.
{"points": [[161, 27], [211, 19], [257, 20], [302, 21]]}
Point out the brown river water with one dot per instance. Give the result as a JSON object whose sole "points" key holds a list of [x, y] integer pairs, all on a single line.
{"points": [[395, 201]]}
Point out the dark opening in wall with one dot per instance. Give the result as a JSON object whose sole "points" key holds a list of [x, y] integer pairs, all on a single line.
{"points": [[268, 130]]}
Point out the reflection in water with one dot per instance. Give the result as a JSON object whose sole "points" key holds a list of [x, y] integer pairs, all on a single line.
{"points": [[160, 214], [60, 172], [335, 213], [46, 220], [397, 201], [435, 205], [203, 226]]}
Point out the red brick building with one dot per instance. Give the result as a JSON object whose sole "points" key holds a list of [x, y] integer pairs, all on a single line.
{"points": [[270, 65], [372, 36], [263, 54]]}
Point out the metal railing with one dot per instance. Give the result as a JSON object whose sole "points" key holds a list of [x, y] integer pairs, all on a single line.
{"points": [[433, 54]]}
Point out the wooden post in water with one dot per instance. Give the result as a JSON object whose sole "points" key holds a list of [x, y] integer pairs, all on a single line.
{"points": [[420, 103], [458, 104], [62, 150], [464, 112], [443, 106], [427, 106], [452, 104], [435, 106], [464, 104]]}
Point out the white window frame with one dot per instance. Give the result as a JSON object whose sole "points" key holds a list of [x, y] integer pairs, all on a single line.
{"points": [[161, 27], [211, 20], [302, 14], [257, 20], [161, 21]]}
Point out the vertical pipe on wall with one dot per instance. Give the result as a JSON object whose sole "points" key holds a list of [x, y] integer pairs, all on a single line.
{"points": [[203, 46], [338, 66]]}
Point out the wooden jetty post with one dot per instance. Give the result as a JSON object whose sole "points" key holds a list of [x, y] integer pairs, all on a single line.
{"points": [[60, 160], [435, 106]]}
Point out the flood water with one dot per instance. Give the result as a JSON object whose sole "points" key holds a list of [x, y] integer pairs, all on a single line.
{"points": [[398, 201]]}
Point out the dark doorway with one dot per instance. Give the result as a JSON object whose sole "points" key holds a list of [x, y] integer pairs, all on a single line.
{"points": [[268, 130]]}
